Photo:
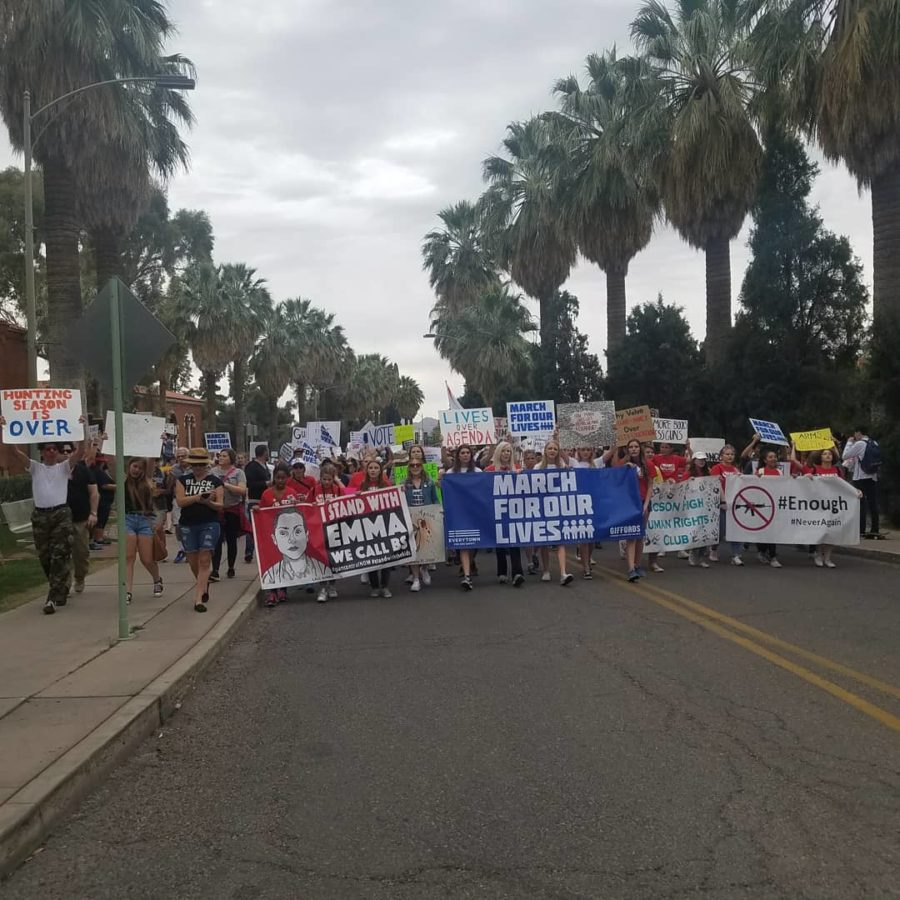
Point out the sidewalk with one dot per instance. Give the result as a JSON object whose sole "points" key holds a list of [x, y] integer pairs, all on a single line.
{"points": [[73, 699], [887, 550]]}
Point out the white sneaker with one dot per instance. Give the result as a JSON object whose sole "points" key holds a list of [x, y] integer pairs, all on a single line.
{"points": [[736, 561], [322, 596], [775, 564], [661, 555], [656, 567], [817, 559], [545, 576], [332, 592], [410, 578], [763, 558], [375, 593], [713, 555], [426, 578], [691, 558], [829, 564], [566, 579], [502, 579], [683, 554], [704, 564], [385, 592], [416, 586]]}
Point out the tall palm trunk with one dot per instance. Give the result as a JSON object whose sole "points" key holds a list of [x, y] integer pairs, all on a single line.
{"points": [[886, 242], [238, 384], [718, 297], [615, 308], [272, 403], [107, 241], [301, 402], [209, 388], [61, 231]]}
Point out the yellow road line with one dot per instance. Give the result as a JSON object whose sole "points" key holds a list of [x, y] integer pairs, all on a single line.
{"points": [[707, 618]]}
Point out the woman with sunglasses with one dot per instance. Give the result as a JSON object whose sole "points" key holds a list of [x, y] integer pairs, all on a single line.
{"points": [[420, 491]]}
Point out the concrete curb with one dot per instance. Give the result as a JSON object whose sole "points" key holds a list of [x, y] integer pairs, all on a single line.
{"points": [[870, 553], [28, 816]]}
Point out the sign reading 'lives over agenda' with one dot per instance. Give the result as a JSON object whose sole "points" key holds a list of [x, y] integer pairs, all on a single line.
{"points": [[534, 417], [540, 507], [467, 426]]}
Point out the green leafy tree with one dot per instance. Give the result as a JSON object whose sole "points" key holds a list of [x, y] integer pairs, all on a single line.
{"points": [[12, 242], [611, 198], [708, 163], [271, 365], [408, 398], [566, 364], [531, 238], [836, 67], [49, 49]]}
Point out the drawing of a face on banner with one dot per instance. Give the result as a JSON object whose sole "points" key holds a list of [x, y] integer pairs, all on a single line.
{"points": [[294, 551]]}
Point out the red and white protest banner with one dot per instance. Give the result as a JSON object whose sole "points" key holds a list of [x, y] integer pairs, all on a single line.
{"points": [[35, 415]]}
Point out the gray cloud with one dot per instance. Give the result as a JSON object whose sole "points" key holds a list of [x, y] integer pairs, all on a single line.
{"points": [[330, 132]]}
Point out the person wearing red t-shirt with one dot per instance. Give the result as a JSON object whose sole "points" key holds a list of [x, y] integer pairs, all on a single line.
{"points": [[328, 487], [724, 469], [672, 466], [281, 493], [301, 482], [646, 473], [771, 468], [823, 464]]}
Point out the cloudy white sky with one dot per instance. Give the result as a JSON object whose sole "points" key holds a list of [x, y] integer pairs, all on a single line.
{"points": [[329, 133]]}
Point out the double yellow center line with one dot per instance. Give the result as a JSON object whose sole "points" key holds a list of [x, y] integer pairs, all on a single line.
{"points": [[761, 644]]}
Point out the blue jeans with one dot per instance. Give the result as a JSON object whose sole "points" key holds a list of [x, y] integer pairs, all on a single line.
{"points": [[200, 537], [139, 524]]}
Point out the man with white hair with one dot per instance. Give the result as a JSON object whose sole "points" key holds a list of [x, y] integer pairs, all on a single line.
{"points": [[178, 470]]}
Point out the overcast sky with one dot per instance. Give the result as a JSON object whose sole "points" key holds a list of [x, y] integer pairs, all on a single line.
{"points": [[330, 132]]}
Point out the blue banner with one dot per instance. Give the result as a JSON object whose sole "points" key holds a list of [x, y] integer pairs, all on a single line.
{"points": [[541, 507]]}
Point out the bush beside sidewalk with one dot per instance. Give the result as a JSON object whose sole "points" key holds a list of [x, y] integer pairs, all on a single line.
{"points": [[74, 700]]}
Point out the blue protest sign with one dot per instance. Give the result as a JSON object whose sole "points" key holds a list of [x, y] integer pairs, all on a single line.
{"points": [[540, 507], [769, 432], [217, 440]]}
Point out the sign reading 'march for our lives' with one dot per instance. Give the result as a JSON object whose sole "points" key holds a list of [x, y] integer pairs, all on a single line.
{"points": [[541, 507]]}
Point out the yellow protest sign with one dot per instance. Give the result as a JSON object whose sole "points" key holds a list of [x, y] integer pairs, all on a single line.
{"points": [[403, 433], [819, 439]]}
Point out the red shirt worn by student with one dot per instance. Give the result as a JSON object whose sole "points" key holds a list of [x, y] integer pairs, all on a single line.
{"points": [[288, 498], [767, 471], [672, 466], [357, 478], [335, 489], [825, 471], [304, 486], [645, 485], [723, 471]]}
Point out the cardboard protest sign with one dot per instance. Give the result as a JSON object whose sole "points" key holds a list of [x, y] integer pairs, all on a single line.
{"points": [[710, 446], [819, 510], [217, 440], [285, 452], [428, 533], [143, 434], [343, 536], [684, 516], [467, 426], [670, 431], [405, 435], [378, 435], [323, 434], [501, 426], [298, 435], [635, 424], [34, 415], [539, 507], [820, 439], [534, 417], [586, 424], [769, 432]]}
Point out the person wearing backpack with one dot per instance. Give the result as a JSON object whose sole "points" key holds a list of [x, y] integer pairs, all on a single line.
{"points": [[862, 459]]}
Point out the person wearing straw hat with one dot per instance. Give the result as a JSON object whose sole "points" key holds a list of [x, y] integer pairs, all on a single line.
{"points": [[198, 494]]}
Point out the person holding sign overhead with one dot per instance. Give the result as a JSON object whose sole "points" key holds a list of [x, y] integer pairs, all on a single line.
{"points": [[51, 520]]}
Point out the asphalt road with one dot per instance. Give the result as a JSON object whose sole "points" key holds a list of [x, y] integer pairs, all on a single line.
{"points": [[589, 742]]}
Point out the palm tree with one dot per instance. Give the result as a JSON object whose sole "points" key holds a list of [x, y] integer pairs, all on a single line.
{"points": [[456, 257], [408, 398], [50, 50], [611, 199], [272, 364], [836, 66], [708, 167], [486, 343], [376, 379], [532, 240]]}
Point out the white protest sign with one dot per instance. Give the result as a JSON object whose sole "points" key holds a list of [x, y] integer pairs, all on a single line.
{"points": [[670, 431], [781, 510], [172, 429], [769, 432], [34, 415], [298, 435], [310, 459], [710, 446], [285, 452], [467, 426], [323, 434], [590, 424], [432, 454], [378, 435], [94, 431], [534, 417], [143, 434], [684, 516]]}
